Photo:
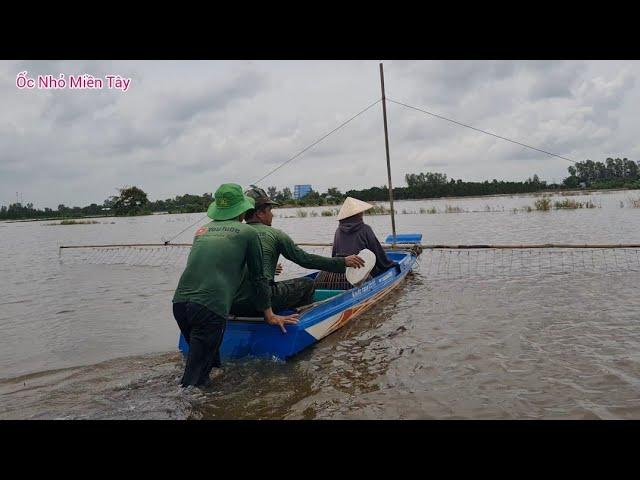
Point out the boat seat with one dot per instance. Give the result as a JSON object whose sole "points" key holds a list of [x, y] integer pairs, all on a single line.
{"points": [[323, 294]]}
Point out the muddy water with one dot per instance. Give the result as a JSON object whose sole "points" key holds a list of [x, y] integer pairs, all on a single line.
{"points": [[99, 341]]}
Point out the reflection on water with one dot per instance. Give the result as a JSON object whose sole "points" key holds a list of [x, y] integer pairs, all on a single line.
{"points": [[95, 341]]}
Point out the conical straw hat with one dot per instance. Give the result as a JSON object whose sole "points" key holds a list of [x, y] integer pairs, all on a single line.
{"points": [[353, 206]]}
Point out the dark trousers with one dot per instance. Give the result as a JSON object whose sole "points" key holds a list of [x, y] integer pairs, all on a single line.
{"points": [[285, 295], [291, 293], [203, 330]]}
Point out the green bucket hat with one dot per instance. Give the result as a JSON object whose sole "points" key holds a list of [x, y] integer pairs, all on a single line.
{"points": [[229, 202]]}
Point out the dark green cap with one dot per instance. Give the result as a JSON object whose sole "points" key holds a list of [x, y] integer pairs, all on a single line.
{"points": [[259, 196]]}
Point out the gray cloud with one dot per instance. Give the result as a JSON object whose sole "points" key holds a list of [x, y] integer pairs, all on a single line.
{"points": [[187, 104], [188, 126]]}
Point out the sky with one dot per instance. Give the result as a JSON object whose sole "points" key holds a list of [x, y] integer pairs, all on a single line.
{"points": [[189, 126]]}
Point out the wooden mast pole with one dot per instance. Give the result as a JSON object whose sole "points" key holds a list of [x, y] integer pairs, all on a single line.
{"points": [[386, 143]]}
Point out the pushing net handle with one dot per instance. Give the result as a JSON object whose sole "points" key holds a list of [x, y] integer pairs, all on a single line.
{"points": [[389, 246], [538, 245], [523, 246], [114, 245]]}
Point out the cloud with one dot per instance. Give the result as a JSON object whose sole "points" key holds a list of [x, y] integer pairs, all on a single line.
{"points": [[189, 126], [185, 104]]}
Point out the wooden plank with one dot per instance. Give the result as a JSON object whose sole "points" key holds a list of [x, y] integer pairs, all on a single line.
{"points": [[399, 246]]}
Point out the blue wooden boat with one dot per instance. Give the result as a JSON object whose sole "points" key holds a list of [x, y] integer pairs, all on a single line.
{"points": [[332, 309]]}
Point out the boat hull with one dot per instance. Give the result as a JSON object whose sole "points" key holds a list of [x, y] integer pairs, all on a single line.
{"points": [[256, 338]]}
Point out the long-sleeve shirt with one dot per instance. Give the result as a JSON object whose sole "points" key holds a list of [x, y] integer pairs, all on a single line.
{"points": [[354, 235], [223, 253], [275, 243]]}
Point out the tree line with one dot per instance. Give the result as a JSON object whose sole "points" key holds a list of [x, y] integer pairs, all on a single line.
{"points": [[612, 173], [435, 185], [130, 201]]}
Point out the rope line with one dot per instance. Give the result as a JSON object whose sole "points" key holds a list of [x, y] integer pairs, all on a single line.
{"points": [[176, 236], [287, 161], [482, 131], [318, 141], [356, 116]]}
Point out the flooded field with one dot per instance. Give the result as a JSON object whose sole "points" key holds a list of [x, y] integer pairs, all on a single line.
{"points": [[99, 341]]}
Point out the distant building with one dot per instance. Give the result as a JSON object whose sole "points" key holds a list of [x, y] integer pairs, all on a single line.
{"points": [[300, 191]]}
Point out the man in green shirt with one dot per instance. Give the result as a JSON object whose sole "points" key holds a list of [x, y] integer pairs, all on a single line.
{"points": [[289, 293], [224, 251]]}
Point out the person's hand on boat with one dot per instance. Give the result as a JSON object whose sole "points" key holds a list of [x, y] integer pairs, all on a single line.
{"points": [[354, 261], [280, 320], [278, 269]]}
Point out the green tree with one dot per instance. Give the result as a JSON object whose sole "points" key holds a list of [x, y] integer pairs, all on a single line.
{"points": [[631, 168], [571, 181], [334, 195], [109, 202], [131, 201], [312, 197]]}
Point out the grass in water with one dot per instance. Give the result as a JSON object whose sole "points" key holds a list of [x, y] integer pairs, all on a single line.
{"points": [[75, 222], [327, 213], [301, 214], [543, 204], [634, 202], [430, 211], [571, 194], [568, 204], [379, 210], [452, 209]]}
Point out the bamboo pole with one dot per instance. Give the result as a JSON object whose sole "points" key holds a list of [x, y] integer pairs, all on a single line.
{"points": [[115, 245], [539, 245], [390, 246], [386, 144], [497, 246]]}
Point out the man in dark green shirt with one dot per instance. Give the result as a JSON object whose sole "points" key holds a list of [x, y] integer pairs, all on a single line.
{"points": [[224, 252], [289, 293]]}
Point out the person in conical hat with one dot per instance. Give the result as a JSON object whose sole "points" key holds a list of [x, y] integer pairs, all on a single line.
{"points": [[353, 206], [353, 235]]}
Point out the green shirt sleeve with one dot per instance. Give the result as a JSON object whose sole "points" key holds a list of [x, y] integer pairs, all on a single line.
{"points": [[262, 299], [308, 260]]}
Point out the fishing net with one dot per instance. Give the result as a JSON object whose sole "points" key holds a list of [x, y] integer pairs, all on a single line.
{"points": [[434, 263], [450, 264], [172, 256]]}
